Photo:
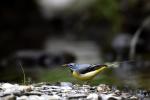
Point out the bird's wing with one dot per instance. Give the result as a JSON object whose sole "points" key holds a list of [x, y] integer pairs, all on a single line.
{"points": [[84, 68], [78, 67]]}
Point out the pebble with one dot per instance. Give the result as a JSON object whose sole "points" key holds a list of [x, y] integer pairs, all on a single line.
{"points": [[110, 97], [54, 97], [25, 88], [125, 95], [102, 88], [65, 91], [93, 96], [66, 84], [117, 92], [76, 96], [8, 97], [34, 97], [133, 98], [22, 98]]}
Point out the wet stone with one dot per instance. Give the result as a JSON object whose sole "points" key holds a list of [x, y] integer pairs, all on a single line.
{"points": [[67, 91], [93, 96], [8, 97], [22, 98], [32, 93], [102, 88], [117, 92], [133, 98], [66, 84], [77, 96]]}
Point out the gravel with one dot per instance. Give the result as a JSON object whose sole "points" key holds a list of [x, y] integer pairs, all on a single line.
{"points": [[68, 91]]}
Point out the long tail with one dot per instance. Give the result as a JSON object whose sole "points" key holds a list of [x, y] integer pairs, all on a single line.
{"points": [[117, 64]]}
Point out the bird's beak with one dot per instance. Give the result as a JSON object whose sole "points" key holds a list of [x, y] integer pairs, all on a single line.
{"points": [[64, 65]]}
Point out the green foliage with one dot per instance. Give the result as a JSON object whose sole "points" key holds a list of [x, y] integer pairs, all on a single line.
{"points": [[56, 75], [108, 9]]}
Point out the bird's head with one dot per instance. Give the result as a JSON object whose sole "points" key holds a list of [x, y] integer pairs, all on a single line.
{"points": [[69, 65]]}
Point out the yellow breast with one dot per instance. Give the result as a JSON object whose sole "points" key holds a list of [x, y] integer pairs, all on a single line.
{"points": [[89, 75]]}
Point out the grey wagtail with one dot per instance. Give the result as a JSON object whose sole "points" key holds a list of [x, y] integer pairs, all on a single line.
{"points": [[86, 72]]}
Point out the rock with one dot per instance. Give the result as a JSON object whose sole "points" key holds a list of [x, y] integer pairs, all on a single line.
{"points": [[66, 84], [66, 87], [112, 98], [133, 98], [102, 88], [109, 97], [45, 97], [33, 93], [92, 96], [140, 96], [6, 86], [15, 89], [9, 88], [77, 96], [34, 97], [8, 97], [54, 97], [22, 98], [25, 88], [67, 91], [125, 95], [117, 92]]}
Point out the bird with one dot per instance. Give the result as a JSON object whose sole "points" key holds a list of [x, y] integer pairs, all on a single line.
{"points": [[86, 72]]}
